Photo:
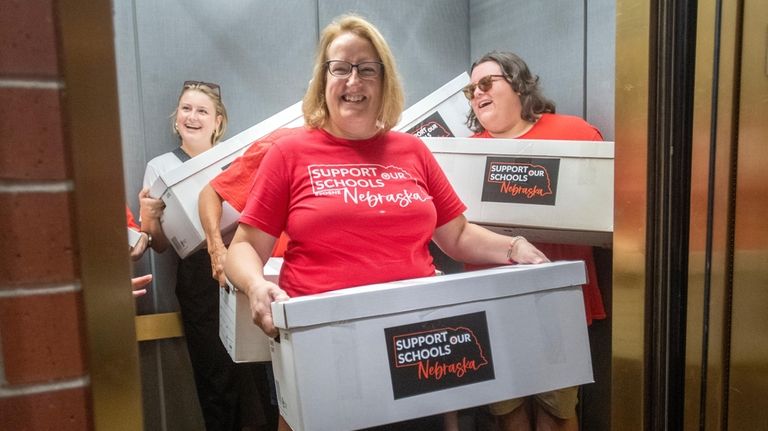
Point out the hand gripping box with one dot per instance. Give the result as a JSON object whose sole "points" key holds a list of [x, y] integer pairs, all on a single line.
{"points": [[244, 341], [443, 113], [378, 354], [555, 191], [179, 188]]}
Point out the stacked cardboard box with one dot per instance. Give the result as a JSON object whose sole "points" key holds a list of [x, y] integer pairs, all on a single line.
{"points": [[377, 354], [244, 341], [555, 191]]}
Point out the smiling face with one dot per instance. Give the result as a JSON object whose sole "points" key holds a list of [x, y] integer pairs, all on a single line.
{"points": [[196, 119], [498, 109], [353, 103]]}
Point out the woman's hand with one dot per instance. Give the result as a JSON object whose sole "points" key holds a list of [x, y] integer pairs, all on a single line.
{"points": [[218, 254], [260, 298], [138, 284], [522, 251], [149, 207], [150, 211], [141, 246]]}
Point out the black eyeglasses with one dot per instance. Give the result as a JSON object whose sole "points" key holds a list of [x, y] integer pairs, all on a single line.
{"points": [[365, 70], [216, 88], [484, 84]]}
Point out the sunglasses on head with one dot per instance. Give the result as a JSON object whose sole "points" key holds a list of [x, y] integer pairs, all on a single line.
{"points": [[484, 84], [216, 88]]}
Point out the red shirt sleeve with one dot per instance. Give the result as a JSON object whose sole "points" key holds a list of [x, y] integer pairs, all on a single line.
{"points": [[131, 221], [234, 184]]}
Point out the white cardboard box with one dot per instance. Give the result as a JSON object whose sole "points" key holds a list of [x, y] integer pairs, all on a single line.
{"points": [[180, 187], [556, 191], [383, 353], [133, 237], [443, 113], [244, 341]]}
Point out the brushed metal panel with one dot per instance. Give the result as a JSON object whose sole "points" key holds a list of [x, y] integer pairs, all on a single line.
{"points": [[747, 404], [243, 47], [704, 406], [600, 65], [630, 204], [158, 326], [429, 38], [549, 36], [131, 124], [90, 111]]}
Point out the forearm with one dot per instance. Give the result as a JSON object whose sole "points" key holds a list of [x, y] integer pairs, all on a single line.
{"points": [[477, 245], [244, 268], [210, 208], [153, 227], [470, 243]]}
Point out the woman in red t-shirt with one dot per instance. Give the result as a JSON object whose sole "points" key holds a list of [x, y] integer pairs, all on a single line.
{"points": [[506, 103]]}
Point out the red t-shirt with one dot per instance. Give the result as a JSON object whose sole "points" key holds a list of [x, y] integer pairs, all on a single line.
{"points": [[235, 182], [357, 211], [557, 126], [130, 220], [569, 128]]}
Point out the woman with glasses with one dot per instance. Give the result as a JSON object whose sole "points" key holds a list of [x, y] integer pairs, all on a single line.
{"points": [[506, 103], [227, 392], [359, 201]]}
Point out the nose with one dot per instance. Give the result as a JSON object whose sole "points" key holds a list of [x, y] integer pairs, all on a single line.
{"points": [[353, 75]]}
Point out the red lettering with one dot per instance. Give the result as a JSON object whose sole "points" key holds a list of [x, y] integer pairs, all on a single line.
{"points": [[438, 370], [529, 192]]}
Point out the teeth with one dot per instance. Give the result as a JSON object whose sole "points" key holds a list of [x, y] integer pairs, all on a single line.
{"points": [[484, 103], [349, 98]]}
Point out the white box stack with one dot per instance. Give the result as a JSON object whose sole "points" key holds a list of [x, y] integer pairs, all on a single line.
{"points": [[244, 341]]}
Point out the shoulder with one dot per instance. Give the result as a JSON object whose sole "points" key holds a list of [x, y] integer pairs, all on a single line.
{"points": [[163, 160], [287, 138], [280, 134], [568, 127]]}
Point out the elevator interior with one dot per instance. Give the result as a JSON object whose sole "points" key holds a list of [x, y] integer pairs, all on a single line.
{"points": [[588, 55]]}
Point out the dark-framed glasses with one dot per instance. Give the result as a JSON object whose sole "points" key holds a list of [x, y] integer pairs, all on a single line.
{"points": [[216, 88], [365, 70], [484, 84]]}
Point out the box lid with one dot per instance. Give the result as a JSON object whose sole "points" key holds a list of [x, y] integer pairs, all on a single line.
{"points": [[288, 117], [423, 293], [522, 147]]}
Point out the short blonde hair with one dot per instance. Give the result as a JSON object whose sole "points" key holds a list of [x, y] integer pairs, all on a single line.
{"points": [[215, 96], [392, 98]]}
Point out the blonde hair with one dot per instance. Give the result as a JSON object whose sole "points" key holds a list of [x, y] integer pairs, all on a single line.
{"points": [[215, 96], [392, 98]]}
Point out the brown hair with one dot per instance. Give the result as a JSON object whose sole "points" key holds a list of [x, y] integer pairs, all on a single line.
{"points": [[523, 82]]}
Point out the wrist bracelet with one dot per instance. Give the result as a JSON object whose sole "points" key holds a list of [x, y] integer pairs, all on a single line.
{"points": [[149, 238], [512, 244]]}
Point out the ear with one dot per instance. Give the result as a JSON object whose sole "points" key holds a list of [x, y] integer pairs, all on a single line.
{"points": [[219, 119]]}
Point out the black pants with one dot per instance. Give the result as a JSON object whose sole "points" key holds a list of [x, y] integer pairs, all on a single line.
{"points": [[230, 395]]}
